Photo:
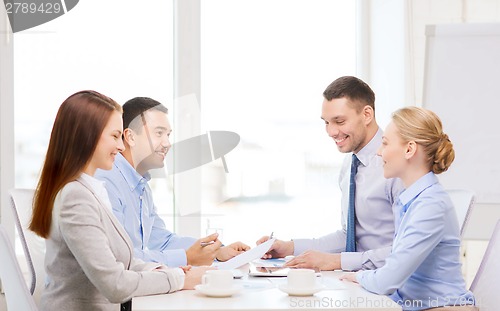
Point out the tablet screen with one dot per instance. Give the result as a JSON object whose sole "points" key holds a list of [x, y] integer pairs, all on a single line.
{"points": [[267, 271]]}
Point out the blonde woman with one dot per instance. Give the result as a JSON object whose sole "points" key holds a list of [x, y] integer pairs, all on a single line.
{"points": [[89, 260], [424, 269]]}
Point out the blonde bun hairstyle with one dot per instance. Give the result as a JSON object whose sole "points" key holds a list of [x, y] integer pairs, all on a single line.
{"points": [[425, 128]]}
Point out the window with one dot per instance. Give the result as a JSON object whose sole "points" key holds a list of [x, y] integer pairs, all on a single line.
{"points": [[121, 48], [264, 66]]}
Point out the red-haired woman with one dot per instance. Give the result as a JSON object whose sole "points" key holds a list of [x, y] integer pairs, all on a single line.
{"points": [[89, 259]]}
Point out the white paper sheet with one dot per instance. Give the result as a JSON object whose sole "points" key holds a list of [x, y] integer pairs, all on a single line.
{"points": [[269, 263], [244, 258]]}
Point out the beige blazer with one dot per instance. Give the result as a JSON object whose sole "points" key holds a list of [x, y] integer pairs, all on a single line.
{"points": [[89, 259]]}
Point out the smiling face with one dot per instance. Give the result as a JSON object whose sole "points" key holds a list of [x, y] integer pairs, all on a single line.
{"points": [[394, 152], [153, 142], [110, 143], [347, 127]]}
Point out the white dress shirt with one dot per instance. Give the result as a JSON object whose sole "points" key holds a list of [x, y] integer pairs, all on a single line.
{"points": [[374, 215]]}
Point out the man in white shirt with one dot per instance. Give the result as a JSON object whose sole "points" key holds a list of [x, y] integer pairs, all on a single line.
{"points": [[349, 114]]}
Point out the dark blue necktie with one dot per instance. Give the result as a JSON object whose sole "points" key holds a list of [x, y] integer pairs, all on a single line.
{"points": [[350, 245]]}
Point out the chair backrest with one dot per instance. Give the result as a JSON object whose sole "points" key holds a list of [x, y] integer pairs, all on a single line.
{"points": [[463, 200], [21, 201], [486, 284], [16, 292]]}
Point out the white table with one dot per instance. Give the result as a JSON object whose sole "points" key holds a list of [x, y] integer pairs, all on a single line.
{"points": [[261, 294]]}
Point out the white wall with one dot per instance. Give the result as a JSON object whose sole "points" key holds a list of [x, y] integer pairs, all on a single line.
{"points": [[425, 12], [392, 49]]}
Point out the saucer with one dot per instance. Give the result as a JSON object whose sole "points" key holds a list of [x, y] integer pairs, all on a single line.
{"points": [[300, 291], [217, 292]]}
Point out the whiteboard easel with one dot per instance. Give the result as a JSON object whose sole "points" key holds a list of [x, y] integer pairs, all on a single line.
{"points": [[462, 85]]}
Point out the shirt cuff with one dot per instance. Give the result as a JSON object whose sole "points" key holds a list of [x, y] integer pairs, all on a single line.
{"points": [[351, 261], [176, 258], [360, 275], [300, 246]]}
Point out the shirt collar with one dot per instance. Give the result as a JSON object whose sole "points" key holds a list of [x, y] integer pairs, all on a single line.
{"points": [[367, 152], [418, 187], [92, 181], [96, 184], [131, 176], [99, 189]]}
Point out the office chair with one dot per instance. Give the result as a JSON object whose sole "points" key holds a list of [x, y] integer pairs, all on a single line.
{"points": [[463, 200], [21, 201], [16, 292], [486, 284]]}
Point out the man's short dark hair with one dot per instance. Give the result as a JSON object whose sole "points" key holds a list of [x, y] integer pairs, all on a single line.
{"points": [[136, 107], [352, 88]]}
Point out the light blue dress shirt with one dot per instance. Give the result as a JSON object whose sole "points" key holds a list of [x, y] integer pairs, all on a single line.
{"points": [[132, 202], [424, 269], [374, 200]]}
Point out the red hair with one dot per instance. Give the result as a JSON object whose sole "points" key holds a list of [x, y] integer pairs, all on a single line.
{"points": [[77, 128]]}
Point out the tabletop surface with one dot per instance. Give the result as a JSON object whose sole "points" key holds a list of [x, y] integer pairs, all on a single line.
{"points": [[262, 293]]}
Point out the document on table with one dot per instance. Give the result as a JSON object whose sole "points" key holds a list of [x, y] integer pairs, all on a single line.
{"points": [[269, 263], [246, 257]]}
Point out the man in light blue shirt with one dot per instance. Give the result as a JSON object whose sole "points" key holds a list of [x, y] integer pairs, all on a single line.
{"points": [[146, 138], [349, 115]]}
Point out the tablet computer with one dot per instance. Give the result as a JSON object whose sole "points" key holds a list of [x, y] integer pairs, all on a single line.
{"points": [[255, 270]]}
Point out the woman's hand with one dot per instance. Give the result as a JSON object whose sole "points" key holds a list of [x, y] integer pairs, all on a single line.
{"points": [[193, 275], [349, 277]]}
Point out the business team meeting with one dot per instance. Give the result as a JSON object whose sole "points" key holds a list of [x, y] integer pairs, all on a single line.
{"points": [[249, 155]]}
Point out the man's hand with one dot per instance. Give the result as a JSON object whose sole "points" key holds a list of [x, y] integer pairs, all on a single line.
{"points": [[279, 248], [234, 249], [199, 255], [315, 260]]}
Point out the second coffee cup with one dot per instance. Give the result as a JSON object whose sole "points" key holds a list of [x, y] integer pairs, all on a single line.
{"points": [[220, 279], [301, 279]]}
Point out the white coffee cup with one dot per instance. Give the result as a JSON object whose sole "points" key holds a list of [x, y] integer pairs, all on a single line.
{"points": [[301, 279], [220, 279]]}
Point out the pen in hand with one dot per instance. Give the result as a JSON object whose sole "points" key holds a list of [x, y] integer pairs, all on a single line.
{"points": [[203, 244], [271, 236]]}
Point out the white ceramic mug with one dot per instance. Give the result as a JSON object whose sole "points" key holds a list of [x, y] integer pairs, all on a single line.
{"points": [[301, 279], [220, 279]]}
